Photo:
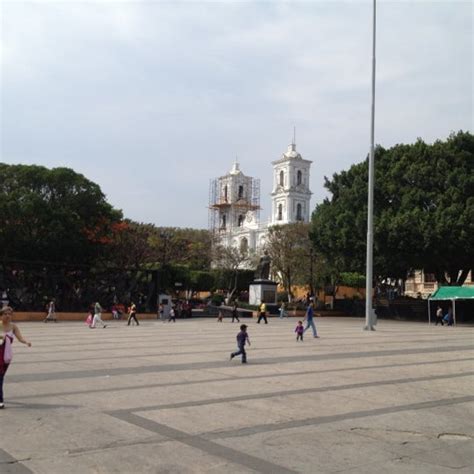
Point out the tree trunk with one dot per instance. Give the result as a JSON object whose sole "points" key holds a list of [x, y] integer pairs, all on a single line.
{"points": [[231, 292], [440, 276], [462, 275], [290, 293]]}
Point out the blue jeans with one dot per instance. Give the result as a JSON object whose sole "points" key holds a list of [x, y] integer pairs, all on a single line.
{"points": [[241, 351], [310, 324]]}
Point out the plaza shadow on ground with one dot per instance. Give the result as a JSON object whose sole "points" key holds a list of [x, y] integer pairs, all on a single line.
{"points": [[164, 398]]}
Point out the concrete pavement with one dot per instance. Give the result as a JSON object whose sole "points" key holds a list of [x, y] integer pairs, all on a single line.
{"points": [[164, 398]]}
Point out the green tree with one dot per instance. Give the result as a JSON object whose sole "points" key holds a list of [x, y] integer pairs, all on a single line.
{"points": [[352, 279], [424, 211], [289, 247], [54, 215], [184, 246], [131, 245], [137, 244]]}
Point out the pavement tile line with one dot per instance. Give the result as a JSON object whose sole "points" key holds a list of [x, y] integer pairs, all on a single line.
{"points": [[321, 420], [204, 442], [14, 405], [11, 465], [209, 447], [90, 373], [236, 377], [301, 391]]}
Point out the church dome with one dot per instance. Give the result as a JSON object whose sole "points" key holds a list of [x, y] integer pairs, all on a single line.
{"points": [[235, 169], [291, 153]]}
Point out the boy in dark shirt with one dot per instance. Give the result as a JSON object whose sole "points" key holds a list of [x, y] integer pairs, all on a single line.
{"points": [[242, 338]]}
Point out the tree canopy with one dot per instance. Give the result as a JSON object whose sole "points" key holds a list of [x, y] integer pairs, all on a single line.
{"points": [[59, 236], [136, 244], [54, 215], [423, 211]]}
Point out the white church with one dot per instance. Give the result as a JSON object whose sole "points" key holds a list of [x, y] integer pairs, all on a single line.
{"points": [[234, 202]]}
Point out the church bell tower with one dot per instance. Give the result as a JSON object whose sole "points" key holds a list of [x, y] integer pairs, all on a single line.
{"points": [[291, 195]]}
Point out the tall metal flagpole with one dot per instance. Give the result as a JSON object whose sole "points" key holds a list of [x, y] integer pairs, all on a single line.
{"points": [[369, 315]]}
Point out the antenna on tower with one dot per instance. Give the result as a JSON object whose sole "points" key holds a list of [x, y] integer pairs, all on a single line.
{"points": [[294, 135]]}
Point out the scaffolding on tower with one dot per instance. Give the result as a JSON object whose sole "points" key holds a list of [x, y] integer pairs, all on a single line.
{"points": [[220, 204]]}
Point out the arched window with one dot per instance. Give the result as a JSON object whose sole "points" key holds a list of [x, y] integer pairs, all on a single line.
{"points": [[298, 177], [282, 178], [244, 246], [225, 193], [299, 216], [224, 221], [240, 220], [280, 212], [241, 192]]}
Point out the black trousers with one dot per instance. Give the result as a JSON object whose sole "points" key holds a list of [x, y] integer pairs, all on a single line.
{"points": [[134, 317], [262, 316], [234, 316], [2, 376]]}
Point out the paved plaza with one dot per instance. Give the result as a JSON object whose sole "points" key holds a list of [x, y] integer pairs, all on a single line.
{"points": [[164, 398]]}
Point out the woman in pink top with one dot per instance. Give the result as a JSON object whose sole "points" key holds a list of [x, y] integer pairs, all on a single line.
{"points": [[9, 331]]}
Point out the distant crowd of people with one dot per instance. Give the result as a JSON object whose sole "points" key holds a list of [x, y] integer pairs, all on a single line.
{"points": [[179, 309]]}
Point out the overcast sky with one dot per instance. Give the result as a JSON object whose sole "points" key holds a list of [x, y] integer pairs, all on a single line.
{"points": [[153, 99]]}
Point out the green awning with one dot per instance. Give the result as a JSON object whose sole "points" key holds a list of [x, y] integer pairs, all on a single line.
{"points": [[453, 293]]}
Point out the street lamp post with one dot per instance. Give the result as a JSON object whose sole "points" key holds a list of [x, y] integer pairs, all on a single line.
{"points": [[369, 314]]}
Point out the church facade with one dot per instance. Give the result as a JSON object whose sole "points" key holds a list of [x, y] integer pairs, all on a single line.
{"points": [[234, 203]]}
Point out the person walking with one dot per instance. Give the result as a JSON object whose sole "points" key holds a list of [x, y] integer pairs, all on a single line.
{"points": [[439, 316], [242, 339], [235, 313], [161, 312], [97, 316], [90, 318], [283, 312], [115, 313], [172, 315], [132, 314], [449, 317], [51, 312], [220, 316], [299, 330], [263, 313], [7, 335], [310, 320]]}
